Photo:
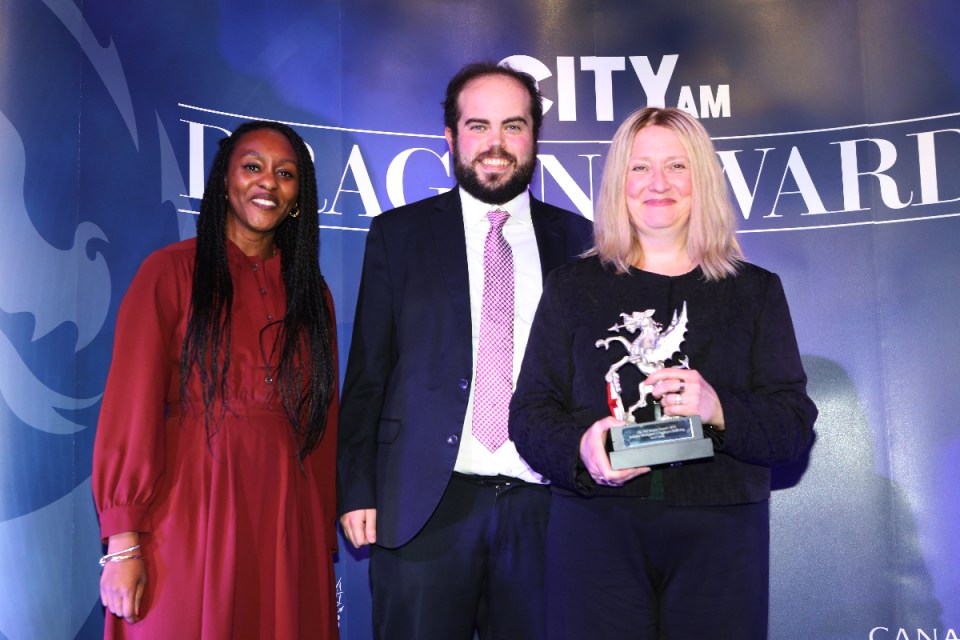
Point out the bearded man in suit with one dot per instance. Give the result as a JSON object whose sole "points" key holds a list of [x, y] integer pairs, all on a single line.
{"points": [[449, 287]]}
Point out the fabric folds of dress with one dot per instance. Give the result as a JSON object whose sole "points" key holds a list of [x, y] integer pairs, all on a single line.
{"points": [[237, 539]]}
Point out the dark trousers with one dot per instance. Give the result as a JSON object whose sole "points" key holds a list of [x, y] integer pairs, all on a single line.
{"points": [[630, 568], [477, 564]]}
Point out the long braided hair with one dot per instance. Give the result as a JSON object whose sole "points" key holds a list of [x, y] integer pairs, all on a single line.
{"points": [[304, 374]]}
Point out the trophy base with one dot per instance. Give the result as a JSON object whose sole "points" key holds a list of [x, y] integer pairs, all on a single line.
{"points": [[661, 442]]}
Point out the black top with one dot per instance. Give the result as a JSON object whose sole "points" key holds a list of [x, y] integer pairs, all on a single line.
{"points": [[739, 337]]}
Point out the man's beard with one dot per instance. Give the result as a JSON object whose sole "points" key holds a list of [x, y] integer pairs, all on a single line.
{"points": [[502, 192]]}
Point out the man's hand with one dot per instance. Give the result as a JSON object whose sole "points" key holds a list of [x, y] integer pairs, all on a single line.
{"points": [[360, 526]]}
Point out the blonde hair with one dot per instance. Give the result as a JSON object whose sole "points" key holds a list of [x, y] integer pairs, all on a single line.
{"points": [[711, 236]]}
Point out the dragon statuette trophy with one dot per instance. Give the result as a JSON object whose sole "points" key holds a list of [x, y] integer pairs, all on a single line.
{"points": [[664, 441]]}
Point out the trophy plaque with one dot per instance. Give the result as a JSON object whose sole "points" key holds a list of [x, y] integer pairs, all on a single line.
{"points": [[663, 441]]}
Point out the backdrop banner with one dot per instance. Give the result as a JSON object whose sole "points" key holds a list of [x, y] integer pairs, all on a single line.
{"points": [[837, 124]]}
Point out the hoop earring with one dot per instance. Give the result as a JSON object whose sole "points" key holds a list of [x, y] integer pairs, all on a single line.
{"points": [[295, 211]]}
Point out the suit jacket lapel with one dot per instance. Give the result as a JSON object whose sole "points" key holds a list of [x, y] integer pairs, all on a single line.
{"points": [[550, 242], [451, 247]]}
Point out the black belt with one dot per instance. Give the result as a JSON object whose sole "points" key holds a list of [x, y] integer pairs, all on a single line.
{"points": [[499, 483]]}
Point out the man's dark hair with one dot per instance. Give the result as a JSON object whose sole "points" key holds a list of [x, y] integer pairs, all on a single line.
{"points": [[451, 107]]}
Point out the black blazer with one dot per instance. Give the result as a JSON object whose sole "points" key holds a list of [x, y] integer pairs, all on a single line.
{"points": [[410, 366], [740, 338]]}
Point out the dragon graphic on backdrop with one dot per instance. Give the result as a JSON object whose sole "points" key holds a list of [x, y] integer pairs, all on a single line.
{"points": [[46, 290]]}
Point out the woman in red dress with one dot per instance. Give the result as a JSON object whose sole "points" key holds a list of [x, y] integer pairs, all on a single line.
{"points": [[214, 455]]}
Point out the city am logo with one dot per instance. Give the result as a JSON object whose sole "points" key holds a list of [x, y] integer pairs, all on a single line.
{"points": [[603, 75]]}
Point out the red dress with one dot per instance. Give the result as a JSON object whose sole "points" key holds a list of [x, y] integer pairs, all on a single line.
{"points": [[237, 540]]}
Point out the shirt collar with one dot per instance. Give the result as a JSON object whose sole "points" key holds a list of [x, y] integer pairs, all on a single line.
{"points": [[475, 211]]}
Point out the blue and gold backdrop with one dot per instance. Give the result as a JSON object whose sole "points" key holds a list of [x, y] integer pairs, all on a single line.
{"points": [[837, 123]]}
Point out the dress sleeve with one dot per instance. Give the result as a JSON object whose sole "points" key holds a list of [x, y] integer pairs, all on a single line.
{"points": [[770, 422], [128, 453], [544, 423]]}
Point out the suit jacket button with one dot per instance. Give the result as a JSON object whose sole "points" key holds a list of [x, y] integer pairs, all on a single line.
{"points": [[464, 384], [453, 440]]}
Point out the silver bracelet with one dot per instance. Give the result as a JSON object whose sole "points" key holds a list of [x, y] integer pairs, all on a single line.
{"points": [[131, 556], [120, 556]]}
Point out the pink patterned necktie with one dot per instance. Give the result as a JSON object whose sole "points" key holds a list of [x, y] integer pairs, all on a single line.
{"points": [[494, 383]]}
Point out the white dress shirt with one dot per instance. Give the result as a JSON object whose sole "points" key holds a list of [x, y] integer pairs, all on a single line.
{"points": [[474, 458]]}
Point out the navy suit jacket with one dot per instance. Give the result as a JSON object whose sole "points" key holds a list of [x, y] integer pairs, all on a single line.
{"points": [[410, 366]]}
